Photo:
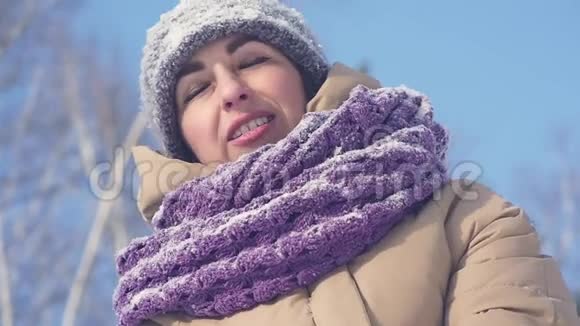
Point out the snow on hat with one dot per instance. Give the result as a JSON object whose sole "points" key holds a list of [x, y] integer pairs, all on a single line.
{"points": [[194, 23]]}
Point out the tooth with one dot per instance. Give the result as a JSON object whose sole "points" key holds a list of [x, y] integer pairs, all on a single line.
{"points": [[250, 126], [238, 133], [253, 124]]}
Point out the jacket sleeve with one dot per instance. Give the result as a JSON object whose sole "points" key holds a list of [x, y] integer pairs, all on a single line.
{"points": [[499, 275]]}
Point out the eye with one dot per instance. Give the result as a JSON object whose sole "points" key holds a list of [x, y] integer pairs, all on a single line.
{"points": [[253, 62], [195, 92]]}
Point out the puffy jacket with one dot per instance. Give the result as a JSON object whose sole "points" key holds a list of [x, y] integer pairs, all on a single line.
{"points": [[468, 257]]}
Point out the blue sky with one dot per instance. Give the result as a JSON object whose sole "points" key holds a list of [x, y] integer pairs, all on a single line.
{"points": [[502, 75]]}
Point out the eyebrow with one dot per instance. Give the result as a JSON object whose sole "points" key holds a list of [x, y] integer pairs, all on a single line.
{"points": [[233, 46]]}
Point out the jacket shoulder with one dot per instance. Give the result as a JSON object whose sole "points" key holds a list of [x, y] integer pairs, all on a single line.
{"points": [[476, 217], [498, 270], [467, 193]]}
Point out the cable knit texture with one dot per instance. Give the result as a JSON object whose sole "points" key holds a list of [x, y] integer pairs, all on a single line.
{"points": [[286, 214], [194, 23]]}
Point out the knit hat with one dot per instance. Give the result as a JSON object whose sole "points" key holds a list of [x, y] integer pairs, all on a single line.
{"points": [[194, 23]]}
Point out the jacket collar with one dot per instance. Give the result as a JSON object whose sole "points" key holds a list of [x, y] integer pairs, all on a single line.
{"points": [[160, 175]]}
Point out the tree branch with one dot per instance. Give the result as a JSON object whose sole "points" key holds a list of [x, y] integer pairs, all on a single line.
{"points": [[73, 106], [31, 13], [21, 127], [5, 295], [103, 213]]}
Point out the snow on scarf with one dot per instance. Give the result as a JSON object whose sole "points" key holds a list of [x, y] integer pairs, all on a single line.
{"points": [[287, 214]]}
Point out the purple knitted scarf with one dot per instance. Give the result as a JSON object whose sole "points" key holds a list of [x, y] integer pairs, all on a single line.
{"points": [[287, 214]]}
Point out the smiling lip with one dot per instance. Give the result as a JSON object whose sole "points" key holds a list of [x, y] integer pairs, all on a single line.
{"points": [[242, 119], [252, 135]]}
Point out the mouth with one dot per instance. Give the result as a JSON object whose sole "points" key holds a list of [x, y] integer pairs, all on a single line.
{"points": [[252, 131]]}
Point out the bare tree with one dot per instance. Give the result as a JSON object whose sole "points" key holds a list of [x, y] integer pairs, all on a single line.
{"points": [[104, 212], [20, 131], [553, 197], [72, 116]]}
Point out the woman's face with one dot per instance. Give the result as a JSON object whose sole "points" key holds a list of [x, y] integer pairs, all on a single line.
{"points": [[235, 95]]}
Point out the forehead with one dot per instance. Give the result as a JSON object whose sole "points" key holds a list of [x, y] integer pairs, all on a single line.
{"points": [[217, 49]]}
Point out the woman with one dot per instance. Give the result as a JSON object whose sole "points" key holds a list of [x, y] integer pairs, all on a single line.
{"points": [[309, 195]]}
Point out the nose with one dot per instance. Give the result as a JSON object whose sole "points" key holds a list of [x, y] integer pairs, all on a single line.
{"points": [[233, 90]]}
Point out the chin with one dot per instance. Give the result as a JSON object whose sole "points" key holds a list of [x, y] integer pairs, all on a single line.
{"points": [[241, 151]]}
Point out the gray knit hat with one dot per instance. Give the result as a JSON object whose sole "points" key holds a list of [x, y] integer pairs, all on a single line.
{"points": [[194, 23]]}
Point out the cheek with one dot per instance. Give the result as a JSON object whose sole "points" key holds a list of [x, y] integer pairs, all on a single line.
{"points": [[196, 129], [286, 89]]}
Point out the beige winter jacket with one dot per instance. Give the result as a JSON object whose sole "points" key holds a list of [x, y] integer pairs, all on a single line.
{"points": [[469, 257]]}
